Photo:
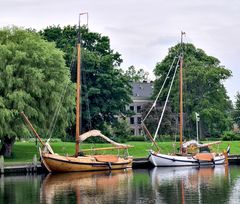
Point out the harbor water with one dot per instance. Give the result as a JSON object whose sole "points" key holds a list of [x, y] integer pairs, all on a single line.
{"points": [[158, 185]]}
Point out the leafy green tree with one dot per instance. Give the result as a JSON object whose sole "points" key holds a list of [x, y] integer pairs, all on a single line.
{"points": [[135, 75], [203, 90], [169, 124], [105, 89], [33, 79], [236, 113]]}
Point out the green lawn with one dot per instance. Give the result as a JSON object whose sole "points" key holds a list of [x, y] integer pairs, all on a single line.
{"points": [[24, 151]]}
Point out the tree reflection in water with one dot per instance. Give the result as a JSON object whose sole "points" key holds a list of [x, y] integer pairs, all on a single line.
{"points": [[158, 185]]}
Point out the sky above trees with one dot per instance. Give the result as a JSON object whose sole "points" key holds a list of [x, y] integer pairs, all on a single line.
{"points": [[142, 31]]}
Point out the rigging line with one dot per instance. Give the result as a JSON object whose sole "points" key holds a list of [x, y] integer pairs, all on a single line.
{"points": [[159, 123], [87, 100], [155, 102], [56, 113]]}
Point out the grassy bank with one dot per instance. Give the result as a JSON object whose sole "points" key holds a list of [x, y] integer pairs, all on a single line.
{"points": [[24, 151]]}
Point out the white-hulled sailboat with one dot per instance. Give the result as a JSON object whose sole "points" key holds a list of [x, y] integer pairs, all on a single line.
{"points": [[183, 158]]}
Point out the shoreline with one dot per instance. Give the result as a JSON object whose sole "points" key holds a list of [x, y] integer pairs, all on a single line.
{"points": [[35, 167]]}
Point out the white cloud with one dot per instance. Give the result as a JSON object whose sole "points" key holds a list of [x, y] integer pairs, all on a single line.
{"points": [[143, 30]]}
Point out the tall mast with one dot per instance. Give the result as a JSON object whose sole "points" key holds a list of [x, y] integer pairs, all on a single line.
{"points": [[181, 94], [78, 99], [78, 91]]}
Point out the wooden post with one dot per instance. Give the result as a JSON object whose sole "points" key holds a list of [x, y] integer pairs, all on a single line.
{"points": [[35, 163], [2, 164], [226, 157]]}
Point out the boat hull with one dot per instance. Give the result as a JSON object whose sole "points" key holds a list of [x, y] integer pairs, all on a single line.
{"points": [[57, 163], [164, 160]]}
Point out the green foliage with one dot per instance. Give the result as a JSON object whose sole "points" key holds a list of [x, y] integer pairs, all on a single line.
{"points": [[230, 136], [105, 89], [33, 78], [33, 140], [135, 75], [137, 138], [169, 123], [203, 90], [121, 130], [236, 113]]}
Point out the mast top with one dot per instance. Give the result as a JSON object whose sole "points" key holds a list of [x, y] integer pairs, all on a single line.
{"points": [[182, 34], [79, 24], [181, 45]]}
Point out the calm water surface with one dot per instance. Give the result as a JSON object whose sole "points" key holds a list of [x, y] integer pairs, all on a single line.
{"points": [[158, 185]]}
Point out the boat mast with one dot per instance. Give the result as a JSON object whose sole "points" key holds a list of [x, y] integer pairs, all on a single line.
{"points": [[78, 100], [78, 90], [181, 94]]}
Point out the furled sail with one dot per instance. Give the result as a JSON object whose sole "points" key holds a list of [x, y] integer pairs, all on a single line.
{"points": [[97, 133], [196, 144]]}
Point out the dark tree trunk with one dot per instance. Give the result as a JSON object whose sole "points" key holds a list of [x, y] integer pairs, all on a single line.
{"points": [[7, 143]]}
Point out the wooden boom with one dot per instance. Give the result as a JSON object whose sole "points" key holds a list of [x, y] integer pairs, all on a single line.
{"points": [[32, 128], [105, 148]]}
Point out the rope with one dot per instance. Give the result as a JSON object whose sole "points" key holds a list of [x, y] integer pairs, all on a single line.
{"points": [[56, 113], [87, 100], [159, 123], [155, 102]]}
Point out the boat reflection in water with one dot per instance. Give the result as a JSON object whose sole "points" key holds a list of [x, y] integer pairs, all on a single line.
{"points": [[190, 184], [86, 187]]}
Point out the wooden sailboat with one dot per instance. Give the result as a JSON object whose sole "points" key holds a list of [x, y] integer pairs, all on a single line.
{"points": [[57, 163], [183, 158]]}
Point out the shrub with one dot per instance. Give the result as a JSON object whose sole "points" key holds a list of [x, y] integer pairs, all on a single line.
{"points": [[52, 140], [137, 138], [230, 135]]}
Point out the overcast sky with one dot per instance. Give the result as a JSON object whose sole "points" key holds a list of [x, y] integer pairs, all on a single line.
{"points": [[143, 30]]}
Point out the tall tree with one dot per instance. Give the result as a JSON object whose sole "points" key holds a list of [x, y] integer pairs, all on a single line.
{"points": [[33, 79], [105, 90], [169, 124], [203, 89], [236, 113], [136, 75]]}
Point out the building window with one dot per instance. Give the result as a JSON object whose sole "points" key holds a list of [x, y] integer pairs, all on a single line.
{"points": [[132, 108], [139, 120], [132, 132], [138, 109], [140, 131], [132, 120]]}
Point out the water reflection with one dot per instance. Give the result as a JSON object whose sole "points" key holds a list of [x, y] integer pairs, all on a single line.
{"points": [[87, 187], [190, 184], [158, 185]]}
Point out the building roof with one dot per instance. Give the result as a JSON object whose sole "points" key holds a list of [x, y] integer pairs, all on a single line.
{"points": [[142, 90]]}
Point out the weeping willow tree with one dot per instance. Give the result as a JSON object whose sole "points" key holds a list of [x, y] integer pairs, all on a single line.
{"points": [[33, 79]]}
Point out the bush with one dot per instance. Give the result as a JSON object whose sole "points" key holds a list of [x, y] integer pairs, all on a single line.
{"points": [[168, 138], [52, 140], [230, 136], [139, 138], [121, 131], [210, 139]]}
